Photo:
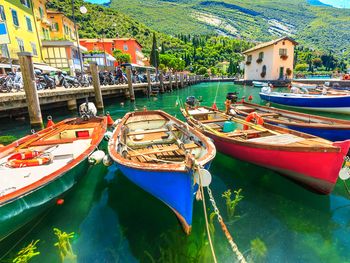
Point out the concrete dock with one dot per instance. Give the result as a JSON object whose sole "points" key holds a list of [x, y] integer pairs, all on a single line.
{"points": [[15, 104]]}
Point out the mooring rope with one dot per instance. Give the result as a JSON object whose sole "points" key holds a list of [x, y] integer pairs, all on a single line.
{"points": [[206, 216], [233, 245]]}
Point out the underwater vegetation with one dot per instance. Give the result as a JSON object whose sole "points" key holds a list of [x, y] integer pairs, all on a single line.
{"points": [[26, 253], [232, 203], [64, 246]]}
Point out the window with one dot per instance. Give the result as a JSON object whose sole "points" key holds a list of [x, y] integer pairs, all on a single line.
{"points": [[29, 24], [46, 34], [54, 27], [2, 13], [263, 72], [125, 47], [261, 55], [20, 44], [65, 28], [4, 51], [14, 17], [34, 50], [283, 52], [249, 58], [41, 12], [26, 3]]}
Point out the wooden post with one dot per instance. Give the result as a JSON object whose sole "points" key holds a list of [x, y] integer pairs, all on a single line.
{"points": [[26, 63], [161, 82], [182, 80], [170, 81], [149, 85], [96, 84], [130, 86], [72, 104], [176, 81]]}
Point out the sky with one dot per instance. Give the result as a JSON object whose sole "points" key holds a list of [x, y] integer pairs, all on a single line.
{"points": [[337, 3]]}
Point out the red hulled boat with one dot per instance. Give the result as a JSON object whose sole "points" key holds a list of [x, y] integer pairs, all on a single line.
{"points": [[309, 160]]}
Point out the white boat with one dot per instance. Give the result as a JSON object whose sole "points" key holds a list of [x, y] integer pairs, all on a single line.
{"points": [[259, 84]]}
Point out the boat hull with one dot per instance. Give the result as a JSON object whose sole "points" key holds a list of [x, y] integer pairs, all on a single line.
{"points": [[21, 211], [175, 189], [337, 104], [316, 170]]}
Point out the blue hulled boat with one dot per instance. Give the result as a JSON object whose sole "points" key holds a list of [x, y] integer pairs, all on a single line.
{"points": [[328, 128], [161, 155], [339, 103]]}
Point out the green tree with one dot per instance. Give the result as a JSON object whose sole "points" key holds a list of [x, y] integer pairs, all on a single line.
{"points": [[154, 56], [121, 57], [317, 62], [301, 67], [202, 71]]}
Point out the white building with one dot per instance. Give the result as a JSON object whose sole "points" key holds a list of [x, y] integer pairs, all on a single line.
{"points": [[272, 60]]}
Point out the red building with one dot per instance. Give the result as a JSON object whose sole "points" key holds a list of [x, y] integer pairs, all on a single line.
{"points": [[127, 45]]}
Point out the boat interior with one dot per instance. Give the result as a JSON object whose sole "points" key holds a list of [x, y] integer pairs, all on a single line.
{"points": [[62, 144], [233, 127], [154, 138], [284, 116]]}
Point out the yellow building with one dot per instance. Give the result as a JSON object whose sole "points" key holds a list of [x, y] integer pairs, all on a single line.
{"points": [[41, 18], [18, 31], [61, 50]]}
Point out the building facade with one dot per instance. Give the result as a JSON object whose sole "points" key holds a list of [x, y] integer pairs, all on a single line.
{"points": [[127, 45], [18, 32], [60, 48], [272, 60]]}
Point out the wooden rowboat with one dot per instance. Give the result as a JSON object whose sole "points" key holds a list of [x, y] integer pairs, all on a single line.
{"points": [[309, 160], [37, 169], [160, 154], [327, 128]]}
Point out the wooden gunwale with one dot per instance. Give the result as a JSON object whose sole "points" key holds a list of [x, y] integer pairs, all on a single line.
{"points": [[331, 122], [289, 148], [160, 166], [97, 137]]}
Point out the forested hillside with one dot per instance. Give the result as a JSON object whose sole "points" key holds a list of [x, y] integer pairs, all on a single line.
{"points": [[317, 26]]}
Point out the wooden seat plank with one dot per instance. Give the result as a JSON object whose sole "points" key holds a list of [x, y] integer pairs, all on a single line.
{"points": [[167, 149], [59, 141]]}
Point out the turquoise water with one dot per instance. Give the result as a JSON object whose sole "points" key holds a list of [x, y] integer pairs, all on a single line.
{"points": [[115, 221]]}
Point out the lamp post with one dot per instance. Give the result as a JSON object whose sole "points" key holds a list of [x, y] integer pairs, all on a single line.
{"points": [[83, 10], [103, 44]]}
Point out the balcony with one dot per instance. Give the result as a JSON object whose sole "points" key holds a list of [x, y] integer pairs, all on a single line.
{"points": [[284, 57]]}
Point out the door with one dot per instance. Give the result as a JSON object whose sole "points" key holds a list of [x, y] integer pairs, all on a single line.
{"points": [[281, 72]]}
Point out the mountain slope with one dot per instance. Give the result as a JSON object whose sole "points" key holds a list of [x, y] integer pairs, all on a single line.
{"points": [[102, 21], [320, 26]]}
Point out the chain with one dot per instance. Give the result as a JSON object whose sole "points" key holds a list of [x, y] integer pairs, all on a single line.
{"points": [[213, 203], [233, 245]]}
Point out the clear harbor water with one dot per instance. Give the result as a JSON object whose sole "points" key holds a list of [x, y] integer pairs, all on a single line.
{"points": [[115, 221]]}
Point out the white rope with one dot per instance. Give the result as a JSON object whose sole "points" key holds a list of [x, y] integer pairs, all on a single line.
{"points": [[217, 89], [206, 216], [233, 245]]}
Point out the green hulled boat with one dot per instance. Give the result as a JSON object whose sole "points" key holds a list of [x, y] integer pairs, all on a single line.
{"points": [[39, 168]]}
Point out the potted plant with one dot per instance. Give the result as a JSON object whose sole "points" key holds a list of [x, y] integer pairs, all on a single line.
{"points": [[288, 72], [259, 60], [248, 62], [263, 74], [284, 57]]}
